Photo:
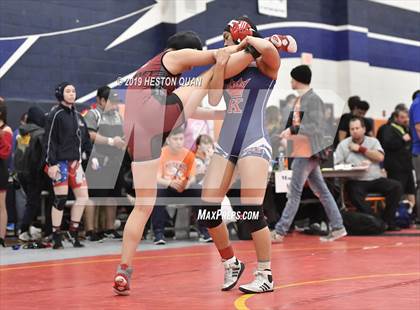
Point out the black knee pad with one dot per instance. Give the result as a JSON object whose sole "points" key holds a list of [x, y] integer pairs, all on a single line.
{"points": [[253, 218], [60, 202], [210, 216]]}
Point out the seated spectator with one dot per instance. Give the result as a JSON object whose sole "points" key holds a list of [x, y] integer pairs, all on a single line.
{"points": [[176, 175], [358, 108], [396, 141], [360, 150]]}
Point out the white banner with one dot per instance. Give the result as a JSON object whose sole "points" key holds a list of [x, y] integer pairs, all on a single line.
{"points": [[273, 7]]}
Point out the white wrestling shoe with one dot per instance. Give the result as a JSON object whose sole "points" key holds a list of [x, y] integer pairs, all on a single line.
{"points": [[263, 283], [233, 271]]}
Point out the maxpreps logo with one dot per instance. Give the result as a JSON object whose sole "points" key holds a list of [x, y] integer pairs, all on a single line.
{"points": [[235, 90], [227, 215]]}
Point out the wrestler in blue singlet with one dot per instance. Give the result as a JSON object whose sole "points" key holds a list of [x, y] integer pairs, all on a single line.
{"points": [[243, 132]]}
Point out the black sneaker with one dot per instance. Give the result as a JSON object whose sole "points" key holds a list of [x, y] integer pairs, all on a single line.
{"points": [[2, 243], [94, 236], [57, 242], [73, 236], [315, 229], [205, 237], [159, 239], [112, 234]]}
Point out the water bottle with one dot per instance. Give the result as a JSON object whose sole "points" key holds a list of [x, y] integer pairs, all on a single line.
{"points": [[281, 161]]}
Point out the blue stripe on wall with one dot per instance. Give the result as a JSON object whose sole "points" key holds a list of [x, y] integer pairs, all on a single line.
{"points": [[388, 55]]}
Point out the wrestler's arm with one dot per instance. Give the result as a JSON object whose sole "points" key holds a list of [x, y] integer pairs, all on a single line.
{"points": [[237, 63], [269, 54], [269, 58], [182, 60], [217, 81]]}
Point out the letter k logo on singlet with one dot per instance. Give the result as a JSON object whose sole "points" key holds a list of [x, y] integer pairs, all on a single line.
{"points": [[235, 90]]}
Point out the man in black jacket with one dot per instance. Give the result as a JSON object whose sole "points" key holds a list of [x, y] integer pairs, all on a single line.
{"points": [[396, 141], [67, 142]]}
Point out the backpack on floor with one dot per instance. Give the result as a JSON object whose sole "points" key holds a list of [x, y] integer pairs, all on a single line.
{"points": [[361, 224]]}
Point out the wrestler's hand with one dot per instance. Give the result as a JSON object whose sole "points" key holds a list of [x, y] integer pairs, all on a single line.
{"points": [[53, 171], [244, 43], [229, 49], [222, 56]]}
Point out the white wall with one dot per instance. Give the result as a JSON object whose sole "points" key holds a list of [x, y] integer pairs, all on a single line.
{"points": [[412, 5]]}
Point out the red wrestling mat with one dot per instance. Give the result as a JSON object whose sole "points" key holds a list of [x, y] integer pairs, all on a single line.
{"points": [[352, 273]]}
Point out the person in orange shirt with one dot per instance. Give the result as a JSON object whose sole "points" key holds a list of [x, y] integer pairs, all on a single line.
{"points": [[176, 175]]}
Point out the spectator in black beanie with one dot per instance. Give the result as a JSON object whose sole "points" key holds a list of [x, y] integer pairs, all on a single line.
{"points": [[302, 74]]}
